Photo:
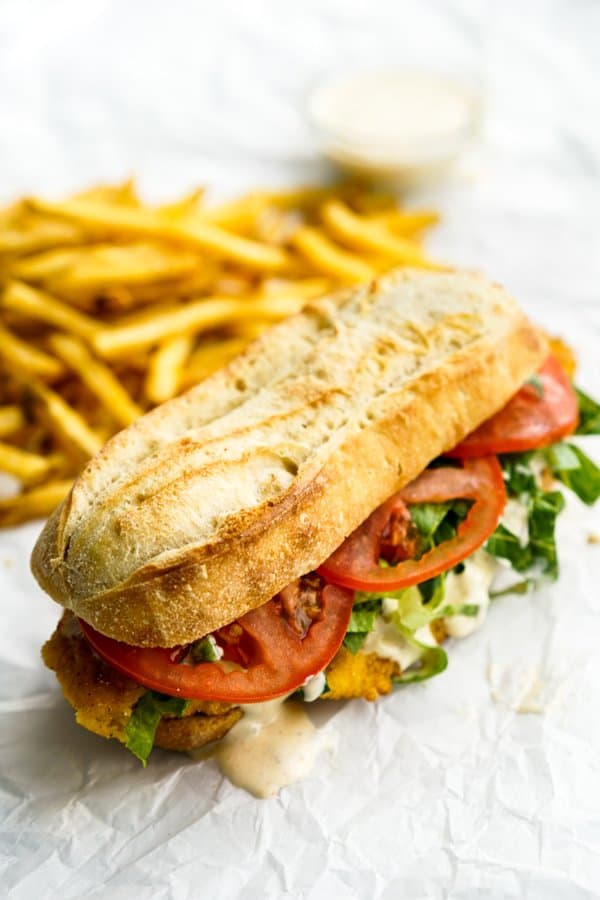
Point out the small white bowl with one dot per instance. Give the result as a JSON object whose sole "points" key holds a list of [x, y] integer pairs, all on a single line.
{"points": [[399, 125]]}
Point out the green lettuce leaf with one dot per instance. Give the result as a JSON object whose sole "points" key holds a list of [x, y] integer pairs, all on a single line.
{"points": [[429, 516], [437, 522], [431, 662], [519, 477], [362, 621], [576, 471], [539, 555], [506, 545], [203, 650], [142, 725], [544, 510], [354, 640], [589, 414]]}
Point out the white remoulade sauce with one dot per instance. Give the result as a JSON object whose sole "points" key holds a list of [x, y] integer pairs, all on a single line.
{"points": [[471, 586], [275, 744], [404, 123]]}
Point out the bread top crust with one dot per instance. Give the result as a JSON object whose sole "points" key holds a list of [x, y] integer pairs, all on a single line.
{"points": [[210, 504]]}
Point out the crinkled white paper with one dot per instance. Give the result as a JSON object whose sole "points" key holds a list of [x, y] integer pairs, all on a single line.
{"points": [[444, 789]]}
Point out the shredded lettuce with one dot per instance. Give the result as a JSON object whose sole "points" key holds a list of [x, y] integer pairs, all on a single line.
{"points": [[362, 621], [431, 661], [539, 556], [437, 522], [575, 470], [204, 650], [589, 414], [142, 725]]}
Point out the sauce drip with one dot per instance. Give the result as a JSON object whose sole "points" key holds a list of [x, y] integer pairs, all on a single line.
{"points": [[274, 745]]}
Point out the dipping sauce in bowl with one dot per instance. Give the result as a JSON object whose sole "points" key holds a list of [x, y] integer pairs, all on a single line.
{"points": [[404, 125]]}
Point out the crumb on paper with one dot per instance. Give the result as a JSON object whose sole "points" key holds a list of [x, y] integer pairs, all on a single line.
{"points": [[520, 689], [593, 538], [8, 562]]}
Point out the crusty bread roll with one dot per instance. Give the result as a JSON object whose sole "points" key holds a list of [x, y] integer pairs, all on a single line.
{"points": [[210, 504]]}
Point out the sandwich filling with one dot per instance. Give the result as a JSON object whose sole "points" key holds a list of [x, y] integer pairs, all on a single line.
{"points": [[422, 568]]}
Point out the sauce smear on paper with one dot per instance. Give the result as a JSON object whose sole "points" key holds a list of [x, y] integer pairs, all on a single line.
{"points": [[274, 745]]}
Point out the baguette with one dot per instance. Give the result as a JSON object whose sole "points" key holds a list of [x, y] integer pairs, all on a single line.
{"points": [[209, 505]]}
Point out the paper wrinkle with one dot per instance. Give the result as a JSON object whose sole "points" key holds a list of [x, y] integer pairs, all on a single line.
{"points": [[436, 791]]}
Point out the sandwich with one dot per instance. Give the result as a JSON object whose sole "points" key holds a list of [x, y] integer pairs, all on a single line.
{"points": [[317, 518]]}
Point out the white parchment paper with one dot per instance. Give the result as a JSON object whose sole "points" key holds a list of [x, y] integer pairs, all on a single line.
{"points": [[447, 789]]}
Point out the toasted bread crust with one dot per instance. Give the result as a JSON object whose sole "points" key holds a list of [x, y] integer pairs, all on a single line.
{"points": [[286, 451]]}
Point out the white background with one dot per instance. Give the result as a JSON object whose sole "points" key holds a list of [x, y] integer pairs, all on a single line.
{"points": [[441, 790]]}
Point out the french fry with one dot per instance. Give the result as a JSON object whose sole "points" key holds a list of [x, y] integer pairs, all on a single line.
{"points": [[326, 257], [210, 357], [25, 359], [363, 234], [45, 265], [25, 466], [42, 307], [65, 422], [181, 209], [166, 368], [35, 504], [98, 377], [243, 213], [99, 266], [12, 418], [305, 288], [122, 194], [248, 329], [273, 309], [149, 328], [139, 222], [406, 222], [32, 234], [237, 215]]}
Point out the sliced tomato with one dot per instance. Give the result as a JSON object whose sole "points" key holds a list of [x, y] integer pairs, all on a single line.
{"points": [[276, 658], [538, 415], [356, 563]]}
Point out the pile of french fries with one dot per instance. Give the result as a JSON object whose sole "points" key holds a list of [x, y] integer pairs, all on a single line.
{"points": [[109, 306]]}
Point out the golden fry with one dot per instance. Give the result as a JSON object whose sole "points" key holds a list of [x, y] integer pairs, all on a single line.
{"points": [[34, 304], [237, 215], [32, 234], [243, 213], [181, 209], [407, 222], [21, 357], [12, 418], [152, 327], [65, 422], [22, 464], [364, 234], [210, 357], [98, 266], [35, 504], [123, 194], [42, 267], [139, 222], [304, 288], [248, 329], [166, 368], [329, 258], [98, 377]]}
